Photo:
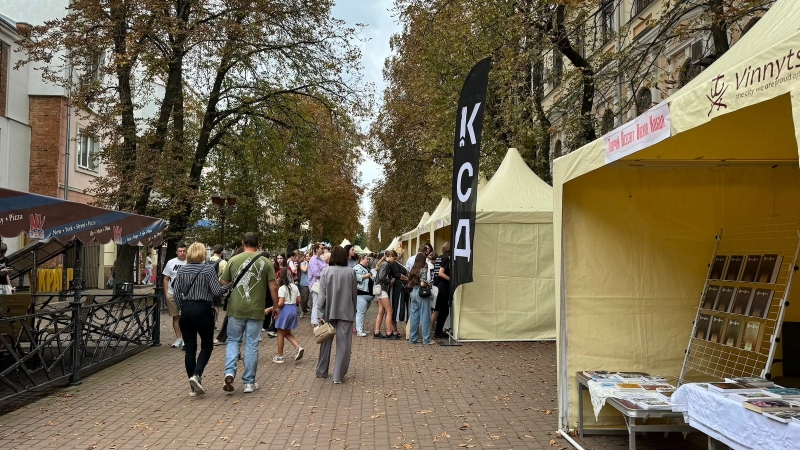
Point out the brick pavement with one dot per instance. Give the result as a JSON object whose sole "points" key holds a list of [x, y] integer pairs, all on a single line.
{"points": [[396, 395]]}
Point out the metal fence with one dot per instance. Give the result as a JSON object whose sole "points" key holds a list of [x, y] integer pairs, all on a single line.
{"points": [[60, 339]]}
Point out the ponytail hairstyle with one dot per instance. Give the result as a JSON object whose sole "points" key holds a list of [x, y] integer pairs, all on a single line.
{"points": [[284, 279]]}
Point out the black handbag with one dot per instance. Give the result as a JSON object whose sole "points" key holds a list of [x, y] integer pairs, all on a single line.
{"points": [[424, 291]]}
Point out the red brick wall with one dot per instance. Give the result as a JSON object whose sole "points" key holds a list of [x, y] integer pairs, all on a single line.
{"points": [[77, 197], [48, 132], [4, 55]]}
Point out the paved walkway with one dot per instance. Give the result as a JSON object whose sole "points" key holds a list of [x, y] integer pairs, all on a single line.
{"points": [[480, 395]]}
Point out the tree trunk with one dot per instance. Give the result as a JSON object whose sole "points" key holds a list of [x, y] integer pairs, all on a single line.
{"points": [[559, 37], [719, 29]]}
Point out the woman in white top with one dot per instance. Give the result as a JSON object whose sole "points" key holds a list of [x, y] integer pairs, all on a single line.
{"points": [[288, 296]]}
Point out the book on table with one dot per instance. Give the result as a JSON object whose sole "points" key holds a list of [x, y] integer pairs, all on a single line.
{"points": [[710, 296], [724, 299], [653, 403], [731, 388], [755, 381], [703, 324], [741, 301], [665, 394], [750, 268], [753, 335], [717, 267], [629, 387], [626, 377], [790, 393], [734, 268], [761, 406], [744, 396], [716, 330], [733, 331], [762, 300], [598, 375], [769, 269], [784, 416], [657, 379], [656, 387]]}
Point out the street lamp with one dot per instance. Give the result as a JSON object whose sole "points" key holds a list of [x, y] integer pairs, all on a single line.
{"points": [[223, 203]]}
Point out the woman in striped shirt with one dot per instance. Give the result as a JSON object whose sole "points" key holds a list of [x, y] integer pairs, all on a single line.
{"points": [[195, 287]]}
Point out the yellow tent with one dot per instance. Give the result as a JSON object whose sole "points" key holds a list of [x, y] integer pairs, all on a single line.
{"points": [[393, 245], [634, 236], [512, 295]]}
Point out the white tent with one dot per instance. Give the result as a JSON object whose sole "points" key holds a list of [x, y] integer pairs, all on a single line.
{"points": [[395, 243], [344, 242], [512, 296], [358, 249], [366, 250]]}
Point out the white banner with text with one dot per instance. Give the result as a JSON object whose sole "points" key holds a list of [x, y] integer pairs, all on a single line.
{"points": [[650, 128]]}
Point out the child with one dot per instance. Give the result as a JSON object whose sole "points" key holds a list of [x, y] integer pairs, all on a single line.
{"points": [[288, 296]]}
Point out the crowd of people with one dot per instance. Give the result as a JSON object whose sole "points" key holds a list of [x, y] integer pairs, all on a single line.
{"points": [[258, 293]]}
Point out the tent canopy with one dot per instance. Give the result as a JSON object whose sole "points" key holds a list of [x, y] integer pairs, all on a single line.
{"points": [[636, 235], [344, 243], [515, 195], [512, 295], [393, 245], [366, 250], [41, 217]]}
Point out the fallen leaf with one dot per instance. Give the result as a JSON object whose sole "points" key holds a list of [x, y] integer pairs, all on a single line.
{"points": [[464, 427], [547, 411]]}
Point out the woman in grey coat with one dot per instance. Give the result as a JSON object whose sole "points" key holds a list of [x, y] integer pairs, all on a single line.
{"points": [[337, 305]]}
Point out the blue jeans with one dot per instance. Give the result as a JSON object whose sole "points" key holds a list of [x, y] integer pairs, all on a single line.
{"points": [[420, 312], [361, 310], [251, 329]]}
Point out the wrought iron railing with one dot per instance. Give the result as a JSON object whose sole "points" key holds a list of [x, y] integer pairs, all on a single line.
{"points": [[58, 342]]}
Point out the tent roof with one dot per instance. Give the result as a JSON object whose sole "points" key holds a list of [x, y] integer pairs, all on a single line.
{"points": [[358, 249], [515, 194], [367, 250], [425, 218], [344, 242], [41, 217], [766, 45], [393, 245]]}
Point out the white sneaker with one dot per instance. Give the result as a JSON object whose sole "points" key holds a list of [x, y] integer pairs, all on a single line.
{"points": [[192, 393], [272, 334], [178, 343], [250, 387], [362, 334], [196, 385], [299, 355]]}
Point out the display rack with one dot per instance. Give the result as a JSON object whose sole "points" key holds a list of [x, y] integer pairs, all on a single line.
{"points": [[775, 236]]}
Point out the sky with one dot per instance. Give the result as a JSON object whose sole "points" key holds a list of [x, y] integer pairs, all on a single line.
{"points": [[380, 25]]}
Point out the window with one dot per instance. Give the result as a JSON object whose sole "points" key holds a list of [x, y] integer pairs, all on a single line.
{"points": [[558, 68], [607, 19], [608, 121], [688, 72], [644, 100], [639, 6], [88, 147]]}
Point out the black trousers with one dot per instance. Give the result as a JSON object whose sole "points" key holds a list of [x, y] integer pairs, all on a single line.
{"points": [[197, 318], [443, 301]]}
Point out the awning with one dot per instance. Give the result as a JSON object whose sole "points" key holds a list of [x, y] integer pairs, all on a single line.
{"points": [[41, 218]]}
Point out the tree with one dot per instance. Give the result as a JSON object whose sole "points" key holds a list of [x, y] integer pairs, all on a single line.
{"points": [[221, 63]]}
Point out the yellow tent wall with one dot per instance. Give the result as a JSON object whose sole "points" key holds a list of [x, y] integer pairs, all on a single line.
{"points": [[634, 237]]}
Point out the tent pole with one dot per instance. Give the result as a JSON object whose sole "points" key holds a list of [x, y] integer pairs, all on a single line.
{"points": [[34, 274], [77, 326]]}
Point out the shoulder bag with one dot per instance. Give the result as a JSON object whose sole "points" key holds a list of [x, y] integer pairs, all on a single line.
{"points": [[182, 298], [239, 278]]}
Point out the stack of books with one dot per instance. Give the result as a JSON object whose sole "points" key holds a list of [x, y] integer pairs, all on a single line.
{"points": [[762, 396]]}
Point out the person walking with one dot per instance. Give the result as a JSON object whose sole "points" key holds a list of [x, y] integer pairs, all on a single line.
{"points": [[253, 279], [337, 305], [304, 288], [420, 305], [315, 266], [195, 286], [443, 299], [219, 263], [148, 268], [222, 336], [170, 272], [384, 303], [398, 276], [364, 293], [286, 321]]}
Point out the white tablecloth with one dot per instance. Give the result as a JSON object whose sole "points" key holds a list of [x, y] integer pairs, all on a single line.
{"points": [[599, 395], [731, 423]]}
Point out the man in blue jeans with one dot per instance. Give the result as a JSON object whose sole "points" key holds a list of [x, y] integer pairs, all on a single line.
{"points": [[246, 306]]}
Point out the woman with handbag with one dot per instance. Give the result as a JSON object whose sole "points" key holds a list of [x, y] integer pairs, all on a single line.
{"points": [[337, 306], [195, 287], [364, 292], [420, 301], [384, 304]]}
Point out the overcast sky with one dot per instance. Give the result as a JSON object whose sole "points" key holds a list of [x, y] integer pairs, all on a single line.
{"points": [[380, 25]]}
